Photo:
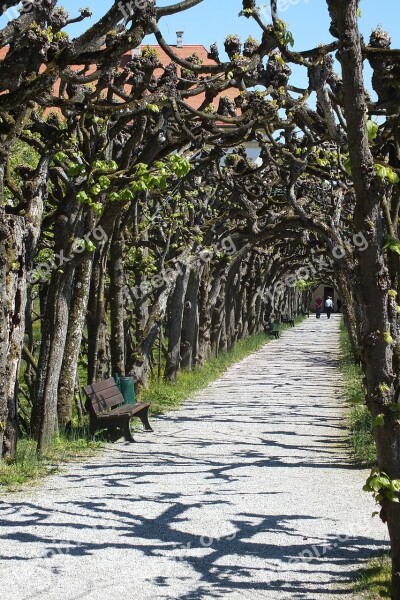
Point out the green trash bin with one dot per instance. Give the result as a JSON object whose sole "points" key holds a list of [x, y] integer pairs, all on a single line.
{"points": [[127, 387]]}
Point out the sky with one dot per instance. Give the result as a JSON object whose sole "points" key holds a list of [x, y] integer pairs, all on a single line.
{"points": [[213, 20]]}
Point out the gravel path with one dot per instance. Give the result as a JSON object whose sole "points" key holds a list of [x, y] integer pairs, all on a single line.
{"points": [[247, 492]]}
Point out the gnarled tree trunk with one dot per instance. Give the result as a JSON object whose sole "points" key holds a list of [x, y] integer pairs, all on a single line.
{"points": [[12, 318], [117, 303], [18, 240], [96, 319], [190, 323], [141, 362], [176, 309], [54, 332], [76, 323], [374, 280]]}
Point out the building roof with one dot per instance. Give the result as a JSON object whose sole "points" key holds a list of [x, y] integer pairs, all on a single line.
{"points": [[183, 52]]}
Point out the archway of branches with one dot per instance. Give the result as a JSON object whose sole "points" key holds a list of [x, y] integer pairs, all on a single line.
{"points": [[130, 206]]}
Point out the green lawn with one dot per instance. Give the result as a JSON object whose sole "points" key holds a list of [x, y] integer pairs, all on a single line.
{"points": [[362, 442], [374, 580], [28, 468]]}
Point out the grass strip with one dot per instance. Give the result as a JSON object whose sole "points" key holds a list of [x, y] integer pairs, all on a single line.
{"points": [[28, 468], [360, 422], [374, 580]]}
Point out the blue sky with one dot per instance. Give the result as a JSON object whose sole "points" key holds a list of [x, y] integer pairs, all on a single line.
{"points": [[213, 20]]}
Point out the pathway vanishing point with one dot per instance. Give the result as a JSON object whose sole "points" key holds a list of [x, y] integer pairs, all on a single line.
{"points": [[261, 502]]}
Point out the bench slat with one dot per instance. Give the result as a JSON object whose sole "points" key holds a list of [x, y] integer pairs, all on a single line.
{"points": [[103, 395], [99, 403], [100, 386], [130, 409], [108, 393]]}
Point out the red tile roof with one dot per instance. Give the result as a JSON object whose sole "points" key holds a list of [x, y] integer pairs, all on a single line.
{"points": [[184, 52]]}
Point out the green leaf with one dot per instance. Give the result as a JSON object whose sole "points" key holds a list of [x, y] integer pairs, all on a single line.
{"points": [[381, 171], [82, 197], [289, 39], [126, 195], [97, 207], [141, 169], [392, 176], [387, 337], [154, 108], [347, 166], [75, 169], [60, 156], [392, 496], [372, 129], [180, 166], [247, 12], [396, 485], [382, 481], [104, 182], [96, 189], [90, 247], [391, 243], [379, 421], [100, 165]]}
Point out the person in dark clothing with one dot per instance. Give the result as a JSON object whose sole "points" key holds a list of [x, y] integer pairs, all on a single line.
{"points": [[339, 305], [318, 306]]}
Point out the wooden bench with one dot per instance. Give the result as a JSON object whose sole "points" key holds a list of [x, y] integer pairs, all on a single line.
{"points": [[288, 319], [104, 401], [272, 329]]}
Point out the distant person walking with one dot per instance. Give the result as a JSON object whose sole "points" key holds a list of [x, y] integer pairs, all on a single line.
{"points": [[339, 305], [329, 306], [318, 306]]}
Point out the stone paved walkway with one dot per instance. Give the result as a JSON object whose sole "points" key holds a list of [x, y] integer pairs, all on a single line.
{"points": [[247, 492]]}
